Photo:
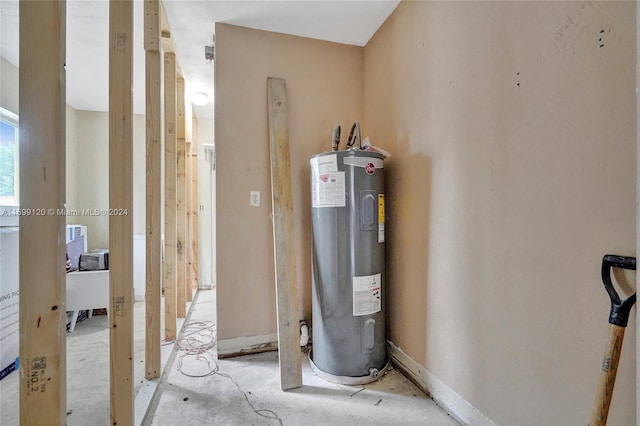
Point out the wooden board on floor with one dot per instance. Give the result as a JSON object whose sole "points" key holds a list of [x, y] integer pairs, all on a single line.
{"points": [[181, 194], [283, 237], [153, 118], [121, 213], [170, 213], [42, 317]]}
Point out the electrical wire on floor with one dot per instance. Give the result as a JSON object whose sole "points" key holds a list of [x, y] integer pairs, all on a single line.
{"points": [[197, 338]]}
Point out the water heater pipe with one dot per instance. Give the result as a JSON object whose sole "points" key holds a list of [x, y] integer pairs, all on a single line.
{"points": [[304, 333]]}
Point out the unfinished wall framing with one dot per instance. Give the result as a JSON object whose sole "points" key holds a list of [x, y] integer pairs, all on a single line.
{"points": [[42, 175]]}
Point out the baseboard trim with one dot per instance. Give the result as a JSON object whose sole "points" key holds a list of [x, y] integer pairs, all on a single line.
{"points": [[247, 345], [143, 400], [443, 395], [205, 286]]}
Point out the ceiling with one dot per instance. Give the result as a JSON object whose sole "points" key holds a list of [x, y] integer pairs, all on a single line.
{"points": [[192, 25]]}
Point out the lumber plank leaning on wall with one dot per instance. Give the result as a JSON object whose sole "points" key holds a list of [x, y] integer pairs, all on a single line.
{"points": [[283, 237]]}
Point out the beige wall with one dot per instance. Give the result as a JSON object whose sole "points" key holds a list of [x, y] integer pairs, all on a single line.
{"points": [[324, 88], [513, 172], [92, 173]]}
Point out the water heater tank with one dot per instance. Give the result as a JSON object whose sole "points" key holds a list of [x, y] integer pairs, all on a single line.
{"points": [[347, 197]]}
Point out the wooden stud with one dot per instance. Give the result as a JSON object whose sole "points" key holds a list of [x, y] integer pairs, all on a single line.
{"points": [[194, 204], [283, 237], [120, 206], [42, 317], [165, 31], [152, 25], [181, 191], [170, 180], [180, 111], [187, 251], [153, 293], [188, 122]]}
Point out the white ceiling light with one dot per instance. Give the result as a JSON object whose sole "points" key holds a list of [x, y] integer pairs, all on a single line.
{"points": [[199, 98]]}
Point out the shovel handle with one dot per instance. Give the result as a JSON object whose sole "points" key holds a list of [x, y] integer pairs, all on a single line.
{"points": [[622, 262], [607, 376], [619, 314]]}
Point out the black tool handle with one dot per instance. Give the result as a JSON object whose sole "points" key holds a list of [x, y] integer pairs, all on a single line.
{"points": [[622, 262], [620, 309]]}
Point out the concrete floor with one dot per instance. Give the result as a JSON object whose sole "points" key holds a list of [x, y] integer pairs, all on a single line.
{"points": [[244, 390], [251, 383], [87, 373]]}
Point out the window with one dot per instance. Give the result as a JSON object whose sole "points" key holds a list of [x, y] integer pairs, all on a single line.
{"points": [[8, 158]]}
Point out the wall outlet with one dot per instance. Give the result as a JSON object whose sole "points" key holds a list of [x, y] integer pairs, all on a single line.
{"points": [[254, 199]]}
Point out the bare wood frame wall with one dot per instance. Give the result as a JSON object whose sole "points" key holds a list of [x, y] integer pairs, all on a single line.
{"points": [[42, 175]]}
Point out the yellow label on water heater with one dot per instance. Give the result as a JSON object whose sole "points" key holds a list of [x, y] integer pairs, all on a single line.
{"points": [[381, 218], [381, 208]]}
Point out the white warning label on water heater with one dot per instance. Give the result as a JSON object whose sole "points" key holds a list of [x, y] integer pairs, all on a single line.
{"points": [[327, 183], [325, 163], [367, 295]]}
